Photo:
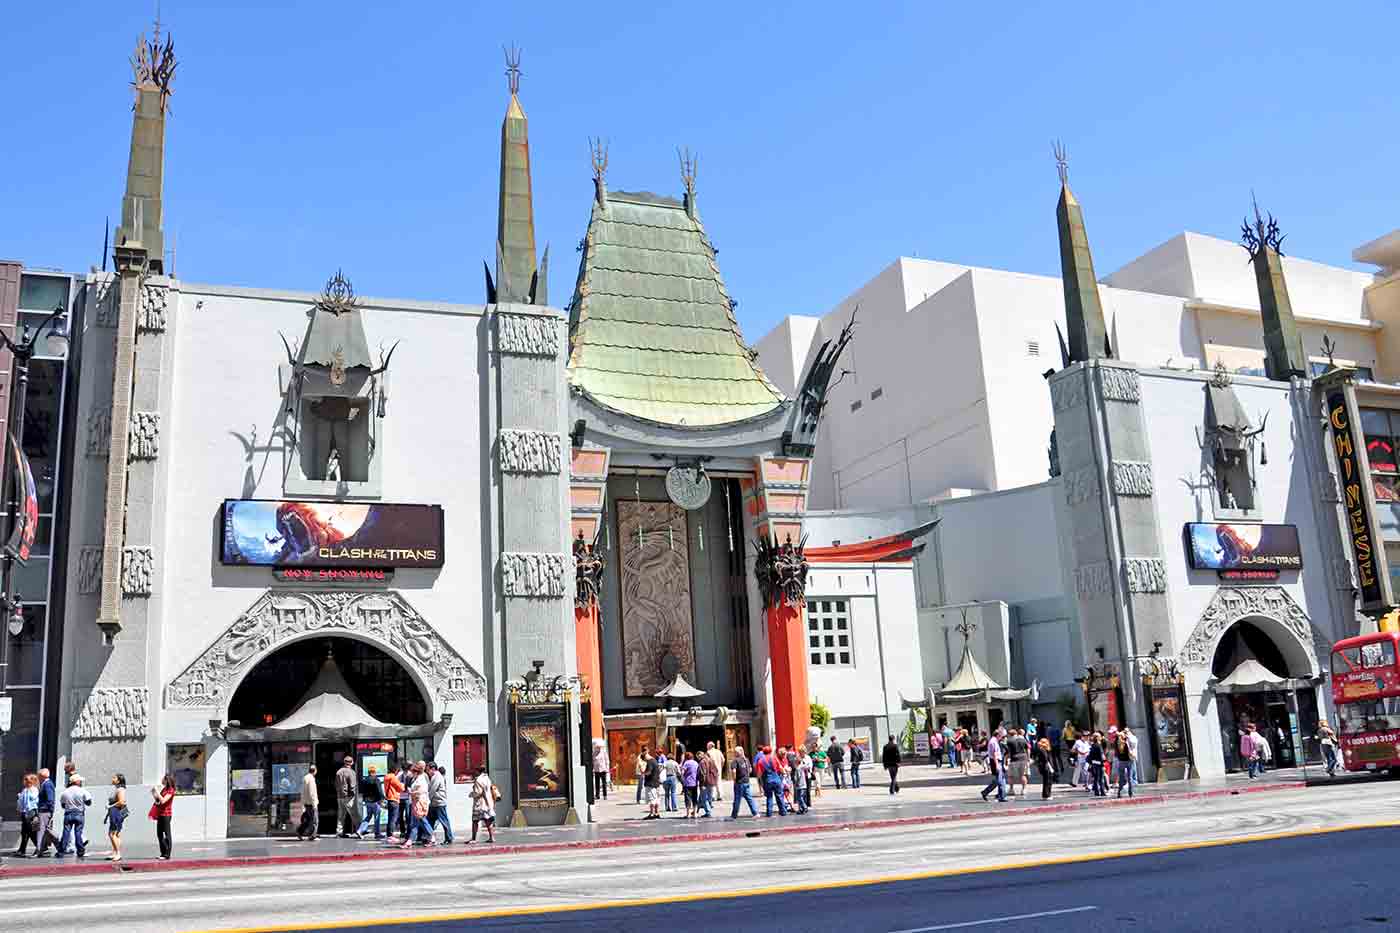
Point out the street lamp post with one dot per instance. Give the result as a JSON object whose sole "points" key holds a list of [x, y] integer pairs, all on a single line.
{"points": [[11, 606]]}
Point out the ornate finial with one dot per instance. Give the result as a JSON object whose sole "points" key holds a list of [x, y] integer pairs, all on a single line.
{"points": [[513, 71], [688, 164], [1329, 349], [338, 297], [1260, 233], [153, 64], [599, 148], [1061, 161], [1221, 379]]}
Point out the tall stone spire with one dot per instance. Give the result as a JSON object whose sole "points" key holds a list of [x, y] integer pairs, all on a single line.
{"points": [[517, 279], [142, 223], [1083, 311], [1283, 347]]}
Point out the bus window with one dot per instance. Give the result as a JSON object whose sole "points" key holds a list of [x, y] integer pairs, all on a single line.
{"points": [[1378, 654], [1346, 660], [1369, 716]]}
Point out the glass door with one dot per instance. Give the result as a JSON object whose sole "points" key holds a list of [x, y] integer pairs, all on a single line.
{"points": [[249, 802], [291, 761]]}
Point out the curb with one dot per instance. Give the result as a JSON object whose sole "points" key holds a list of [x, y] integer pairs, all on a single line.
{"points": [[253, 861]]}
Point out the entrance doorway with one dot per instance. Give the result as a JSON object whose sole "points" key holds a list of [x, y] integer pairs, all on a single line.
{"points": [[694, 738], [1268, 697], [329, 692]]}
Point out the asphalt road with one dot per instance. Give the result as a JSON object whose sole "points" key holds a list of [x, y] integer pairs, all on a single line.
{"points": [[1317, 882]]}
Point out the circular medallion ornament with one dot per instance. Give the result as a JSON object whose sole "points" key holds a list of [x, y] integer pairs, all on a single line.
{"points": [[688, 487]]}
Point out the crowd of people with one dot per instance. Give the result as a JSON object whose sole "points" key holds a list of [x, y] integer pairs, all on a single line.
{"points": [[789, 778], [411, 796], [52, 818]]}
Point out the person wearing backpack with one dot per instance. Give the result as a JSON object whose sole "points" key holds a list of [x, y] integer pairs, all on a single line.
{"points": [[836, 756], [856, 757]]}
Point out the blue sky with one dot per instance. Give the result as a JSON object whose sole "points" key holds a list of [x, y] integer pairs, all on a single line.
{"points": [[832, 138]]}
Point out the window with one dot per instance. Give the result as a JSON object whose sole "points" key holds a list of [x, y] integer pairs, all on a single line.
{"points": [[829, 633], [1369, 716], [43, 292], [876, 394], [186, 764], [1032, 348], [1318, 367], [855, 406], [1382, 431], [1363, 657]]}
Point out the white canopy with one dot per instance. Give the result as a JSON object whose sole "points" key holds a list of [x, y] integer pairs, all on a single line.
{"points": [[679, 689], [328, 704]]}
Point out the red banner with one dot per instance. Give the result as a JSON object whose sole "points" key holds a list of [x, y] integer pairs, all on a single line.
{"points": [[26, 523]]}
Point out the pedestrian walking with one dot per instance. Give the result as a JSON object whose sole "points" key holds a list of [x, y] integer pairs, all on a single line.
{"points": [[27, 808], [1045, 765], [639, 770], [670, 780], [890, 759], [651, 778], [820, 766], [309, 826], [770, 778], [345, 782], [739, 771], [856, 757], [1125, 752], [48, 798], [690, 785], [1328, 738], [162, 810], [372, 796], [1252, 750], [393, 793], [836, 757], [437, 803], [1080, 750], [1017, 754], [117, 812], [74, 802], [418, 796], [709, 782], [1097, 750], [601, 767], [935, 748], [996, 767], [717, 757], [962, 746], [1052, 733], [405, 800], [802, 781], [484, 796]]}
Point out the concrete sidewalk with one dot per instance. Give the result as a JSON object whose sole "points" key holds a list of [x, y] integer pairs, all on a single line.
{"points": [[927, 797]]}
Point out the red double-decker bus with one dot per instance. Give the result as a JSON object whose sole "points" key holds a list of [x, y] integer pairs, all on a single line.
{"points": [[1366, 693]]}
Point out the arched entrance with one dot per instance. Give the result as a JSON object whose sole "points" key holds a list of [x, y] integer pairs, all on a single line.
{"points": [[1264, 680], [316, 701]]}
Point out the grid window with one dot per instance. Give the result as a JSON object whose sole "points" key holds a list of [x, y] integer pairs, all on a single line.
{"points": [[1382, 432], [829, 633]]}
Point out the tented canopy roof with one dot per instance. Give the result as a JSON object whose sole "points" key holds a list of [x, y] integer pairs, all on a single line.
{"points": [[679, 689]]}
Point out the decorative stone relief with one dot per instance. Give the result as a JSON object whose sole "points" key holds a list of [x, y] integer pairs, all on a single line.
{"points": [[138, 569], [106, 306], [1067, 393], [144, 435], [541, 576], [1233, 603], [383, 618], [89, 569], [529, 451], [1121, 385], [1093, 580], [113, 713], [150, 311], [527, 334], [1145, 574], [99, 430], [1081, 485], [1132, 478]]}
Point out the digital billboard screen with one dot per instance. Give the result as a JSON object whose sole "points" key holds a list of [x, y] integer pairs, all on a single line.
{"points": [[279, 533], [1242, 546]]}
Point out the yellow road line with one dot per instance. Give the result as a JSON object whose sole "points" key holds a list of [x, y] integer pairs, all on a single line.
{"points": [[809, 886]]}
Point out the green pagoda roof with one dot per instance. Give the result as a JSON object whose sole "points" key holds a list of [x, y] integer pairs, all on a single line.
{"points": [[652, 332]]}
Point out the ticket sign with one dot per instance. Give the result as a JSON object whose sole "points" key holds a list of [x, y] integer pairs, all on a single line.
{"points": [[1358, 499]]}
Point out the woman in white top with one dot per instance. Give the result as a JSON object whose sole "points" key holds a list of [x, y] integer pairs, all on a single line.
{"points": [[483, 805]]}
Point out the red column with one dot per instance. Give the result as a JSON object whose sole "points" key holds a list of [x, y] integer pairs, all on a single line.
{"points": [[787, 651], [590, 665]]}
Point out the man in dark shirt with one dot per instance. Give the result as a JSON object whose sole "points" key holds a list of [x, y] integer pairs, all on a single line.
{"points": [[345, 799], [372, 796], [836, 757], [651, 779], [890, 759], [47, 798]]}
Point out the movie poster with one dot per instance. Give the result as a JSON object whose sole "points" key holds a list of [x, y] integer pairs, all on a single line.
{"points": [[1168, 723], [542, 752], [1241, 546], [272, 533]]}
